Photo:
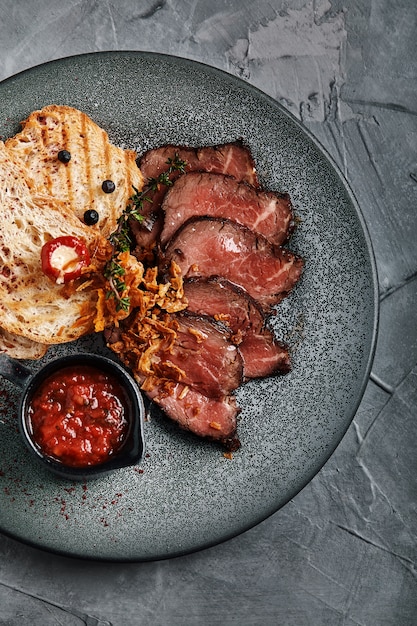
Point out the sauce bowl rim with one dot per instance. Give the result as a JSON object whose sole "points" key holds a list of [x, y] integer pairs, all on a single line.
{"points": [[132, 449]]}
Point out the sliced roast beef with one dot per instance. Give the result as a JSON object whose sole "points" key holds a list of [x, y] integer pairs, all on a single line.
{"points": [[215, 195], [232, 159], [190, 379], [226, 302], [208, 247], [226, 236], [213, 418], [210, 362], [262, 354]]}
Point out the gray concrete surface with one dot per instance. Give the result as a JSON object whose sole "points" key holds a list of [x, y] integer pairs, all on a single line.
{"points": [[344, 550]]}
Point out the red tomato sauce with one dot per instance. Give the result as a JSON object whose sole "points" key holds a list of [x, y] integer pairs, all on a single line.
{"points": [[78, 416]]}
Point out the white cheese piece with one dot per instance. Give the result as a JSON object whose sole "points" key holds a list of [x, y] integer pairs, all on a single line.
{"points": [[64, 259]]}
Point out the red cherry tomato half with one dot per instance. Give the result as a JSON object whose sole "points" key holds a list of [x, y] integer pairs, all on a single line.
{"points": [[63, 258]]}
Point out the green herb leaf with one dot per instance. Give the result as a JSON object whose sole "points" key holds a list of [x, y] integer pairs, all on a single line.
{"points": [[120, 239]]}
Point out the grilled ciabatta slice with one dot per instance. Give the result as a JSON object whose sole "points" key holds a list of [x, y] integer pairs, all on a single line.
{"points": [[93, 160], [31, 304]]}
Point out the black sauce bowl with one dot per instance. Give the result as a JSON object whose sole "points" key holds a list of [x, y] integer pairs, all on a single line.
{"points": [[132, 448]]}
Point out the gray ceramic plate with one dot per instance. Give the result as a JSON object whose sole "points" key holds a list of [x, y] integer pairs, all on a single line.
{"points": [[186, 495]]}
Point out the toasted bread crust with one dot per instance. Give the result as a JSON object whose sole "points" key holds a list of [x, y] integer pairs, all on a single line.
{"points": [[31, 305], [18, 347], [94, 159]]}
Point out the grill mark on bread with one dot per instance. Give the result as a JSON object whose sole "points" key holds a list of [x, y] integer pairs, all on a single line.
{"points": [[87, 158], [44, 135], [107, 156], [67, 171], [129, 186]]}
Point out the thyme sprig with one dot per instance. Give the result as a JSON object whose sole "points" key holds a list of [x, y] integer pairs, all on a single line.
{"points": [[121, 240]]}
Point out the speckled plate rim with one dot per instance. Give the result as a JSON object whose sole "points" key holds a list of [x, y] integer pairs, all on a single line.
{"points": [[213, 538]]}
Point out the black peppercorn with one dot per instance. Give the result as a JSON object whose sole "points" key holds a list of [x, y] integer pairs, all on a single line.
{"points": [[64, 156], [90, 217], [108, 186]]}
